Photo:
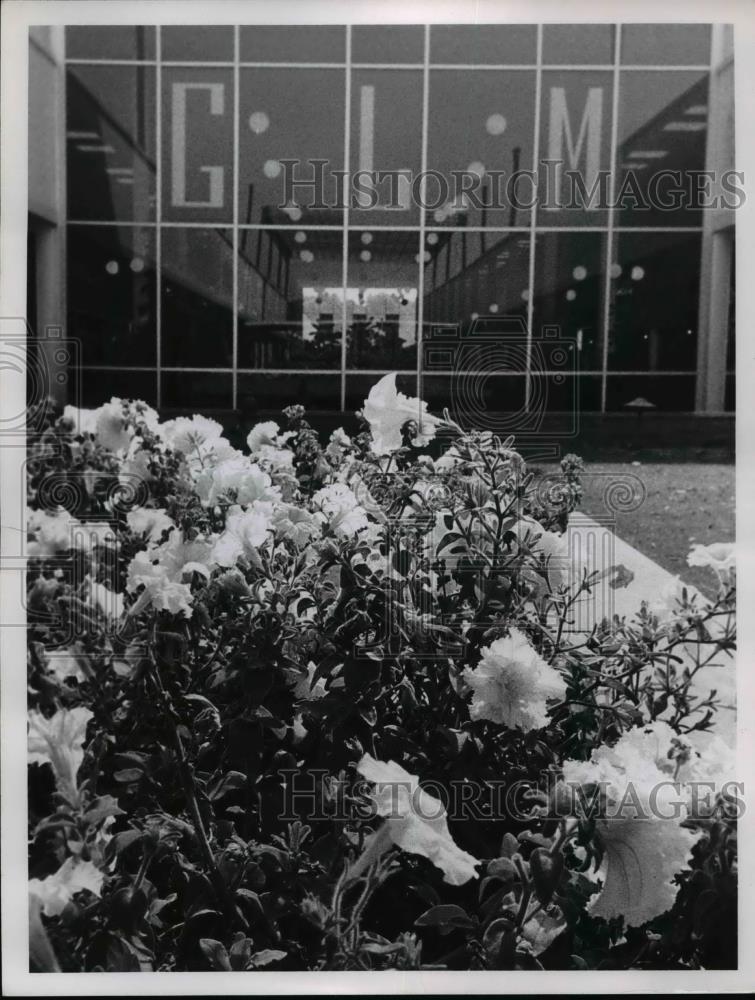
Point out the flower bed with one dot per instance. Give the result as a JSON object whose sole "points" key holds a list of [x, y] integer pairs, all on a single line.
{"points": [[306, 707]]}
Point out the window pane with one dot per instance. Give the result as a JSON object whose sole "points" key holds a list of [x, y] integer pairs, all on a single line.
{"points": [[293, 43], [575, 132], [290, 298], [381, 300], [110, 130], [290, 114], [483, 124], [386, 134], [197, 144], [197, 296], [661, 143], [666, 392], [491, 44], [192, 392], [578, 44], [388, 43], [469, 276], [358, 388], [99, 385], [203, 43], [110, 41], [654, 301], [665, 44], [111, 294], [569, 293], [262, 394]]}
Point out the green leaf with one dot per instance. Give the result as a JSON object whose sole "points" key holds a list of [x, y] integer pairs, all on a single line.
{"points": [[446, 918], [267, 956], [215, 953]]}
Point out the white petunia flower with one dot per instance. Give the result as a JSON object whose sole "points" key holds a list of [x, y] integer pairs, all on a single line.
{"points": [[415, 821], [720, 556], [262, 434], [186, 435], [341, 510], [84, 421], [162, 572], [644, 844], [512, 683], [245, 532], [305, 690], [49, 532], [387, 410], [111, 429], [59, 741], [150, 521], [295, 524], [278, 459], [57, 890], [248, 481]]}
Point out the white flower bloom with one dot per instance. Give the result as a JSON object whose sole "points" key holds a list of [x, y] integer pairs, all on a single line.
{"points": [[162, 571], [56, 891], [296, 524], [59, 741], [511, 684], [150, 521], [720, 556], [107, 602], [643, 849], [248, 481], [387, 410], [245, 532], [111, 430], [51, 532], [415, 821], [68, 662], [84, 421], [278, 459], [340, 509], [262, 434], [186, 435]]}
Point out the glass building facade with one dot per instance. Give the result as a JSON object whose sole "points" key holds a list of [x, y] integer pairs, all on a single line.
{"points": [[195, 276]]}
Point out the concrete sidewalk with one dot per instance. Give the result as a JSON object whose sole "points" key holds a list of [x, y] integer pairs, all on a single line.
{"points": [[598, 547]]}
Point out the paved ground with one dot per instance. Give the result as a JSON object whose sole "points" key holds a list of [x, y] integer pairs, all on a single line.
{"points": [[683, 504]]}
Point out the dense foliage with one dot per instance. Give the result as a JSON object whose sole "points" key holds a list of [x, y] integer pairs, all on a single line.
{"points": [[306, 707]]}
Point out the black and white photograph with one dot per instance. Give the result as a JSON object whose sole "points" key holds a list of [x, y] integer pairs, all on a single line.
{"points": [[369, 556]]}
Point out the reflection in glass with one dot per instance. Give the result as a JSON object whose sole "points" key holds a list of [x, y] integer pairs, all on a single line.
{"points": [[203, 43], [663, 122], [290, 298], [575, 136], [263, 394], [110, 132], [483, 44], [469, 276], [665, 44], [111, 294], [297, 43], [569, 293], [192, 392], [386, 135], [666, 392], [653, 325], [110, 41], [197, 297], [99, 385], [381, 300], [388, 43], [290, 114], [481, 124], [197, 144], [578, 44]]}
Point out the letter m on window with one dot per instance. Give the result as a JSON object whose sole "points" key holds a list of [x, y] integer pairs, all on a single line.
{"points": [[580, 152]]}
